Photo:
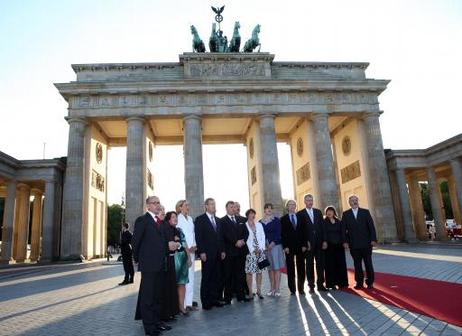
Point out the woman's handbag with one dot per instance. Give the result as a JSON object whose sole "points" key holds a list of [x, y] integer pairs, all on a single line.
{"points": [[263, 264]]}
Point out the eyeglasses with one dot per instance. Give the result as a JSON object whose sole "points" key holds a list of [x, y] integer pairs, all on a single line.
{"points": [[154, 202]]}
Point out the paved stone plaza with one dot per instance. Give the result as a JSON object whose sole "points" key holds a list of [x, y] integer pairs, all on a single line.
{"points": [[84, 299]]}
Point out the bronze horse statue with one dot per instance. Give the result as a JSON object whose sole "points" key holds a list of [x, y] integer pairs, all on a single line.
{"points": [[253, 42], [235, 42], [197, 43]]}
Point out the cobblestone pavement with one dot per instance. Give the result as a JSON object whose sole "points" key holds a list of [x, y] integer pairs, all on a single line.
{"points": [[84, 299]]}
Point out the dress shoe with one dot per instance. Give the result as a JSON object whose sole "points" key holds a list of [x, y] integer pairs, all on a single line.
{"points": [[292, 293], [370, 287], [123, 283], [163, 327], [358, 287], [130, 281], [226, 303], [218, 304], [302, 293], [207, 307], [311, 291], [322, 289]]}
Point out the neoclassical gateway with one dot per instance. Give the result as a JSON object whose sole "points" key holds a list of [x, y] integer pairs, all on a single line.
{"points": [[327, 112]]}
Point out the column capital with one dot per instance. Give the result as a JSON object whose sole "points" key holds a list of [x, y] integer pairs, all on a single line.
{"points": [[369, 115], [136, 118], [192, 116], [23, 186], [36, 192], [71, 120], [318, 116], [266, 115]]}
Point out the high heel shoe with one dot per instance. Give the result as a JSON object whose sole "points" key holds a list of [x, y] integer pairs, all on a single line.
{"points": [[261, 297]]}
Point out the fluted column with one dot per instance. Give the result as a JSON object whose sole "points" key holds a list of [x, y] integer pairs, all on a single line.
{"points": [[8, 222], [36, 225], [454, 201], [270, 163], [437, 210], [409, 234], [379, 182], [135, 178], [21, 231], [457, 177], [49, 220], [418, 212], [193, 170], [73, 193], [325, 162]]}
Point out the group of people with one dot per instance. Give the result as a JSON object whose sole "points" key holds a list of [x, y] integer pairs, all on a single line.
{"points": [[235, 249]]}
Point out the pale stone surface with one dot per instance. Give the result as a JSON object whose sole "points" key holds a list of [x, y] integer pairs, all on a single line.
{"points": [[379, 183], [49, 215], [409, 234], [418, 212], [135, 182], [270, 181], [36, 225], [325, 163], [21, 228], [73, 195], [8, 222], [435, 200], [194, 174], [457, 178]]}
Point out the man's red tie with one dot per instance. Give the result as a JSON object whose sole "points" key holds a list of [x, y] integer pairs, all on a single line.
{"points": [[158, 221]]}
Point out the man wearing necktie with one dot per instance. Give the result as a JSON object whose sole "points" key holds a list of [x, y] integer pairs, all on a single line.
{"points": [[209, 239], [317, 239], [150, 248], [234, 236], [361, 237], [295, 245]]}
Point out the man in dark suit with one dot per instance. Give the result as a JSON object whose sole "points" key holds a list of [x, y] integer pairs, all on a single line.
{"points": [[242, 220], [127, 255], [236, 250], [209, 240], [317, 242], [294, 243], [361, 237], [149, 251]]}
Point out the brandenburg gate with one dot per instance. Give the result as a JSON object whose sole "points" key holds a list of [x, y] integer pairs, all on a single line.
{"points": [[327, 112]]}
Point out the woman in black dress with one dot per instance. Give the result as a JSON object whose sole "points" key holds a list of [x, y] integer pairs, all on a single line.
{"points": [[336, 271], [169, 301]]}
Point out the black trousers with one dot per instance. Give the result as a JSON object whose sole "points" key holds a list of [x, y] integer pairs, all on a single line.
{"points": [[336, 269], [127, 261], [359, 255], [149, 299], [318, 255], [210, 281], [300, 258], [234, 277]]}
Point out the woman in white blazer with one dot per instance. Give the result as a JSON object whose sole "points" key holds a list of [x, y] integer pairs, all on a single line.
{"points": [[256, 244]]}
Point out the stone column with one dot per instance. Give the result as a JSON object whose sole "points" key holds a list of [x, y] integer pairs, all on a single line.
{"points": [[325, 162], [36, 225], [269, 163], [379, 182], [73, 193], [418, 212], [437, 210], [456, 211], [135, 178], [21, 231], [48, 223], [457, 176], [193, 170], [8, 222], [409, 234]]}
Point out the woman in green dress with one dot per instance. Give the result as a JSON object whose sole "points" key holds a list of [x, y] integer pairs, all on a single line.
{"points": [[182, 263]]}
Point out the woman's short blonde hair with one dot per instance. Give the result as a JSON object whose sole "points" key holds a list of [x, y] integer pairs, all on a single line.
{"points": [[179, 204]]}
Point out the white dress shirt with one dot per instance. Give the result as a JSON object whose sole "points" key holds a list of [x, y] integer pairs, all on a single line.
{"points": [[310, 213], [355, 212]]}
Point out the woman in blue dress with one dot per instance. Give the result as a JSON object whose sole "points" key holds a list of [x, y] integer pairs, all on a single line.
{"points": [[274, 252]]}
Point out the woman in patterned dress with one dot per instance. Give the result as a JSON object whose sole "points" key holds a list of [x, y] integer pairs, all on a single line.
{"points": [[256, 245]]}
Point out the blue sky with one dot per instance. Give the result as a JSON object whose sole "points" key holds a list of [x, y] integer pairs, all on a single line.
{"points": [[416, 44]]}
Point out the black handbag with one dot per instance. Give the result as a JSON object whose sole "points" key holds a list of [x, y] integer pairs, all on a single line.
{"points": [[263, 264]]}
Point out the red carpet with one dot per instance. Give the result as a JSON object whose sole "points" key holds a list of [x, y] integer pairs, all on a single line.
{"points": [[438, 299]]}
